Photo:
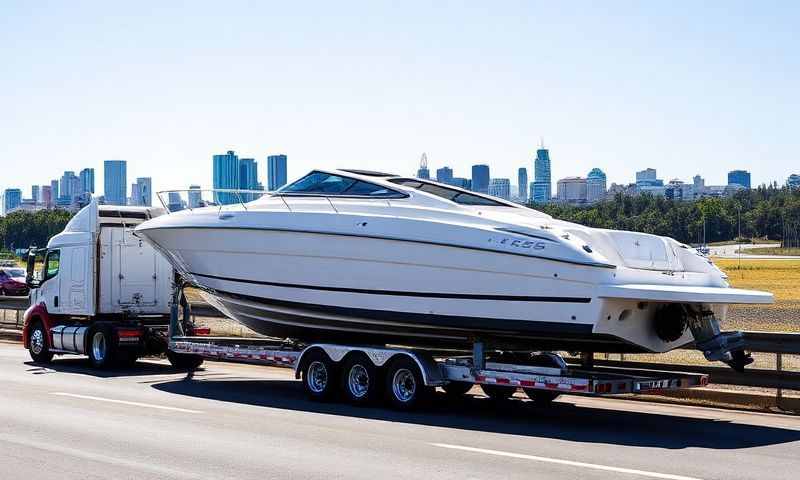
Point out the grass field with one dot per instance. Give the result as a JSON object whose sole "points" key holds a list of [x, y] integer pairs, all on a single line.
{"points": [[772, 251]]}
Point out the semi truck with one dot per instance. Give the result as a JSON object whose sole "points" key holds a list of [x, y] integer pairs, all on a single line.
{"points": [[104, 293], [99, 291]]}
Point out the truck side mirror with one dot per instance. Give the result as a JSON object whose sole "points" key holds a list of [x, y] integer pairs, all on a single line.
{"points": [[30, 277]]}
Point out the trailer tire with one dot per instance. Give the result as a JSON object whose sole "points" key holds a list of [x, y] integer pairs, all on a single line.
{"points": [[498, 393], [100, 347], [319, 375], [360, 382], [38, 344], [184, 361], [541, 398], [457, 389], [405, 386]]}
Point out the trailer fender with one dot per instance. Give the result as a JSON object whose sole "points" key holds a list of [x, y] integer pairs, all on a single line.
{"points": [[431, 373], [34, 313]]}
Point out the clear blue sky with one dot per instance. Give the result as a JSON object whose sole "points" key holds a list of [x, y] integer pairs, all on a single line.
{"points": [[681, 87]]}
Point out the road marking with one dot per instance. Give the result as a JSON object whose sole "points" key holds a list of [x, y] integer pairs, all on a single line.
{"points": [[125, 402], [594, 466]]}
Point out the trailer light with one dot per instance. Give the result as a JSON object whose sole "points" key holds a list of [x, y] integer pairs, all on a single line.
{"points": [[201, 331], [128, 333]]}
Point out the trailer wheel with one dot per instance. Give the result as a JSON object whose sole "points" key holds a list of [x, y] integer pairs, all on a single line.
{"points": [[457, 389], [319, 376], [405, 387], [184, 361], [544, 398], [100, 349], [498, 393], [541, 398], [360, 383], [37, 344]]}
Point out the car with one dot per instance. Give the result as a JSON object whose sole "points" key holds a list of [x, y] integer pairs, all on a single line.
{"points": [[12, 282]]}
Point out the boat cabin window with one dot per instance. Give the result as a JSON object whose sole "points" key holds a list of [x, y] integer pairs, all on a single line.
{"points": [[457, 196], [321, 183]]}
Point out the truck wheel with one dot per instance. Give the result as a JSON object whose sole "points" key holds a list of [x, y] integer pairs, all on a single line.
{"points": [[405, 387], [184, 361], [457, 389], [100, 348], [498, 393], [319, 376], [37, 344], [360, 383]]}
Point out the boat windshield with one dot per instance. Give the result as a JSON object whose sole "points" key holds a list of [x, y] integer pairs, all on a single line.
{"points": [[328, 184], [457, 196]]}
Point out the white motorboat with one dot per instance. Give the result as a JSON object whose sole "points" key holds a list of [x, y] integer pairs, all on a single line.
{"points": [[348, 255]]}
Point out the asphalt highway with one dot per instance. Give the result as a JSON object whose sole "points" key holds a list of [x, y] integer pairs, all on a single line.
{"points": [[65, 421]]}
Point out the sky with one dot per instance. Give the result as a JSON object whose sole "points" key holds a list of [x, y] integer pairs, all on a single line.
{"points": [[683, 87]]}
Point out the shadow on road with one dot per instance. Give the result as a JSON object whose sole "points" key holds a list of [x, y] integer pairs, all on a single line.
{"points": [[81, 365], [562, 421]]}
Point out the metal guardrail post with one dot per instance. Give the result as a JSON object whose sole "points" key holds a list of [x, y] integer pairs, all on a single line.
{"points": [[19, 312], [779, 390]]}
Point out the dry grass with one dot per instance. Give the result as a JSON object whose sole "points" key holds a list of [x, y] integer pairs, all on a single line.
{"points": [[772, 251]]}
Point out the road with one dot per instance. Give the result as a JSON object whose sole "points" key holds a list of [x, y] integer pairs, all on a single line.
{"points": [[732, 251], [240, 421]]}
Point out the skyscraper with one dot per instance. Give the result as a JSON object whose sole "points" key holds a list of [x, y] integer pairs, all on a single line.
{"points": [[500, 187], [739, 177], [54, 190], [70, 185], [35, 196], [793, 182], [522, 184], [145, 191], [423, 171], [248, 177], [12, 198], [195, 196], [444, 175], [542, 183], [276, 172], [571, 190], [115, 182], [46, 195], [595, 185], [87, 180], [480, 178], [226, 176], [136, 196]]}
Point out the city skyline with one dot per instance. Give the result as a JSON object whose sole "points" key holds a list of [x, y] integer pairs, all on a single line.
{"points": [[468, 85]]}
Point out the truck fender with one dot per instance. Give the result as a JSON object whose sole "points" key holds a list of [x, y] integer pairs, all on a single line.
{"points": [[37, 312]]}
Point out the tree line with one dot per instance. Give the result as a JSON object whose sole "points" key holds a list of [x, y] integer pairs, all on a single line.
{"points": [[767, 212], [22, 229]]}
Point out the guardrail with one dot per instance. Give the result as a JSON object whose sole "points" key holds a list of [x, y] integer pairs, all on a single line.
{"points": [[779, 344]]}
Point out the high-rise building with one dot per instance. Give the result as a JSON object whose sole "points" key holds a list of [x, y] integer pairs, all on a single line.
{"points": [[500, 187], [793, 181], [70, 185], [647, 179], [542, 183], [145, 191], [226, 176], [276, 172], [595, 185], [12, 199], [571, 190], [35, 195], [248, 177], [522, 185], [54, 190], [87, 180], [444, 175], [175, 202], [46, 196], [136, 196], [195, 196], [423, 171], [480, 178], [739, 177], [460, 182], [115, 182]]}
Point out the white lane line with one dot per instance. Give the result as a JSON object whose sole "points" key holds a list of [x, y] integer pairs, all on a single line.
{"points": [[125, 402], [594, 466]]}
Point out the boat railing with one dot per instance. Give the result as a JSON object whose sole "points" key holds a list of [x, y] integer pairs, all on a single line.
{"points": [[193, 198]]}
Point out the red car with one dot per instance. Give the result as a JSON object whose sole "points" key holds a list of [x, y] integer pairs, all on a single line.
{"points": [[12, 282]]}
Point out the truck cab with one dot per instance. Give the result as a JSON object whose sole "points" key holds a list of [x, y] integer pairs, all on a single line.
{"points": [[98, 280]]}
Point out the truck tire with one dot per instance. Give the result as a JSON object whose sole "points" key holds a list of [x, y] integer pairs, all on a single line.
{"points": [[498, 393], [319, 375], [405, 387], [184, 361], [38, 344], [457, 389], [100, 347], [360, 382]]}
